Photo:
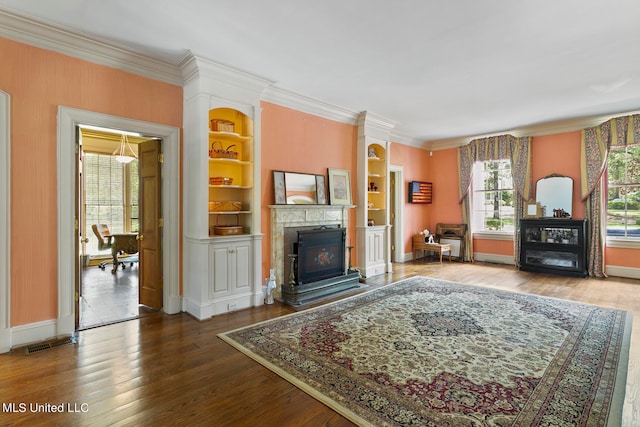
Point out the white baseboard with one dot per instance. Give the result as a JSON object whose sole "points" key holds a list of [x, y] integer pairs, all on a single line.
{"points": [[33, 332], [618, 271], [494, 258]]}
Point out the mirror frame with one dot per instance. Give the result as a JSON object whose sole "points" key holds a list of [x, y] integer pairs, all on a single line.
{"points": [[548, 211], [280, 188]]}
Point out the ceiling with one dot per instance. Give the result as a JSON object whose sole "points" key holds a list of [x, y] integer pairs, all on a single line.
{"points": [[439, 71]]}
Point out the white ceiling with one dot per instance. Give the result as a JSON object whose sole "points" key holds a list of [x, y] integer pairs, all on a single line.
{"points": [[439, 70]]}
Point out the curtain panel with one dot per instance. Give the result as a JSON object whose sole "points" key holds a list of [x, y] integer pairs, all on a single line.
{"points": [[594, 152], [502, 147]]}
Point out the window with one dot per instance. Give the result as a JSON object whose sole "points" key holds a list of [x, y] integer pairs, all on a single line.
{"points": [[110, 196], [492, 203], [623, 192]]}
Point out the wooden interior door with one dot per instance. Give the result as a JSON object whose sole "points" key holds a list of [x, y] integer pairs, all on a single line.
{"points": [[150, 233], [78, 234]]}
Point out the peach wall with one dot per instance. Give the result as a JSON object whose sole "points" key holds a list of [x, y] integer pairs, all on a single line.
{"points": [[39, 81], [416, 165], [299, 142], [559, 154], [444, 174], [621, 257], [496, 247]]}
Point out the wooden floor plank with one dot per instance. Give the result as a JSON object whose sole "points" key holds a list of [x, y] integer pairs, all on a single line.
{"points": [[174, 370]]}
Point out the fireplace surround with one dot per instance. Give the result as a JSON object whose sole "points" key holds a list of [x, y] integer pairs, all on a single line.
{"points": [[286, 221]]}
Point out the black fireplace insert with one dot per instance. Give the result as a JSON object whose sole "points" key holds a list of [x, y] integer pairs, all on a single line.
{"points": [[321, 254]]}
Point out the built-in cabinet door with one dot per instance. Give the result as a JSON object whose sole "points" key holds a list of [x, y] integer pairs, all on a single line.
{"points": [[230, 264], [375, 251]]}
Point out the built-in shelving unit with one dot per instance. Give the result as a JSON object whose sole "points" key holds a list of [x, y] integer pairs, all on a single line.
{"points": [[231, 157], [221, 182], [373, 226], [553, 245]]}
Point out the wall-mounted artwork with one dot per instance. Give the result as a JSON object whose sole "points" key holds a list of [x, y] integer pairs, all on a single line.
{"points": [[420, 192]]}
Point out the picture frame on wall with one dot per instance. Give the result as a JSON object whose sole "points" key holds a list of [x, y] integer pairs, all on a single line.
{"points": [[339, 187], [279, 188], [321, 190]]}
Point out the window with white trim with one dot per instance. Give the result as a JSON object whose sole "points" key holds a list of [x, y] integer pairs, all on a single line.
{"points": [[623, 192], [493, 197]]}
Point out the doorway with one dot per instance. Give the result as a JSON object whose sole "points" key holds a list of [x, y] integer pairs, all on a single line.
{"points": [[68, 240], [396, 212], [109, 198]]}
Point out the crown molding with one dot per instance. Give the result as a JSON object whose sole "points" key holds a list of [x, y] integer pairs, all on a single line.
{"points": [[539, 129], [309, 105], [405, 139], [42, 34]]}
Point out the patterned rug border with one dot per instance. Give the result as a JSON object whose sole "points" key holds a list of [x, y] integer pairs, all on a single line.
{"points": [[617, 396]]}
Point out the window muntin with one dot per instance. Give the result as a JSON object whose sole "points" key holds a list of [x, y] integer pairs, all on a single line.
{"points": [[493, 197], [623, 192]]}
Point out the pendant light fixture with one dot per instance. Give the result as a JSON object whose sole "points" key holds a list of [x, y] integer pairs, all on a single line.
{"points": [[121, 152]]}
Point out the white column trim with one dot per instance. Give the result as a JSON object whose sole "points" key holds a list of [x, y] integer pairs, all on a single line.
{"points": [[5, 223]]}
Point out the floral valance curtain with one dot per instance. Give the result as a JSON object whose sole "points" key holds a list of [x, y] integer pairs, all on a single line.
{"points": [[501, 147], [596, 142]]}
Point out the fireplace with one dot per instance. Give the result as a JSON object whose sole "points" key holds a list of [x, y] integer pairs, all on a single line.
{"points": [[320, 254], [286, 222], [318, 265]]}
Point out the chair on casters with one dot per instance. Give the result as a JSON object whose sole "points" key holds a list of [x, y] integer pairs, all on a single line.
{"points": [[104, 242]]}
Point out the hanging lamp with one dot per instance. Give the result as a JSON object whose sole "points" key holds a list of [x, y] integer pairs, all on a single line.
{"points": [[121, 152]]}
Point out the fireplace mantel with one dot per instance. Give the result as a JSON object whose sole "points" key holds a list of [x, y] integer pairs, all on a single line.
{"points": [[283, 216]]}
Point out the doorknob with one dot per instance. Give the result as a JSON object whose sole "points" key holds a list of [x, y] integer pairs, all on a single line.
{"points": [[140, 237]]}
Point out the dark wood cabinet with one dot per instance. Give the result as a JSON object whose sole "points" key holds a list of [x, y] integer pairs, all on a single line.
{"points": [[551, 245]]}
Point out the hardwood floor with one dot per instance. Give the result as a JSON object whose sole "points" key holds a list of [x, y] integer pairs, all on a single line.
{"points": [[174, 370]]}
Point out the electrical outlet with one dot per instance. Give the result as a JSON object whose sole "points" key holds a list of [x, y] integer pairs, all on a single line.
{"points": [[232, 306]]}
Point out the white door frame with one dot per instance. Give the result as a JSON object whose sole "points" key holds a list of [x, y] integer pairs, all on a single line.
{"points": [[398, 230], [68, 119], [5, 223]]}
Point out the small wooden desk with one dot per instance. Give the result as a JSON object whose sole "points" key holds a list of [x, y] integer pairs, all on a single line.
{"points": [[122, 242], [419, 244]]}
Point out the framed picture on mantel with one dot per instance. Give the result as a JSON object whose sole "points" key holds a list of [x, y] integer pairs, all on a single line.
{"points": [[339, 187]]}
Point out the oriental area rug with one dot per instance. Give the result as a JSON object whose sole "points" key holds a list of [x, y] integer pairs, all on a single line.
{"points": [[430, 352]]}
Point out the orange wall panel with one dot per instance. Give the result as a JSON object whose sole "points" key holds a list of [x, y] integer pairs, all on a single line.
{"points": [[416, 166], [39, 81], [496, 247], [444, 172], [558, 154], [299, 142], [621, 257]]}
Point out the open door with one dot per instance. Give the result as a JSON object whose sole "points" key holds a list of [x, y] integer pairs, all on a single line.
{"points": [[79, 232], [150, 233]]}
